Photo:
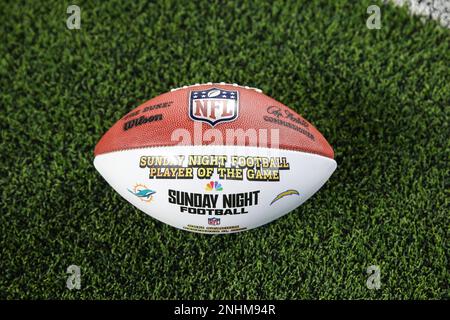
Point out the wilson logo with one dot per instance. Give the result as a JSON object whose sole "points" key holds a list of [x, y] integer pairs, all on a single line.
{"points": [[141, 120]]}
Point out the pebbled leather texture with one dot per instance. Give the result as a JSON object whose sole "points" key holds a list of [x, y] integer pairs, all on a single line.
{"points": [[162, 115]]}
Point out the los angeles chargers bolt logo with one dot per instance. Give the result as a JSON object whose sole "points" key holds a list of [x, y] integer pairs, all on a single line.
{"points": [[142, 192], [285, 194]]}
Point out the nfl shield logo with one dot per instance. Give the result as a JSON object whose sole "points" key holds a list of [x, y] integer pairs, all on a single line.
{"points": [[214, 221], [214, 105]]}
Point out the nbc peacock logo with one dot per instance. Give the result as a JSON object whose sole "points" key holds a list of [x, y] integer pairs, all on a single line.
{"points": [[213, 185]]}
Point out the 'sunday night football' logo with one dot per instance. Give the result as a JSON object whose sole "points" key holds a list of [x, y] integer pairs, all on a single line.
{"points": [[214, 105]]}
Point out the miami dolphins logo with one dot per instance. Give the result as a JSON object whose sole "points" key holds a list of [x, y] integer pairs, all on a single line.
{"points": [[284, 194], [213, 185], [142, 192]]}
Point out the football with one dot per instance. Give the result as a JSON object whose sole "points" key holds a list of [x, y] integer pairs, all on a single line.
{"points": [[214, 158]]}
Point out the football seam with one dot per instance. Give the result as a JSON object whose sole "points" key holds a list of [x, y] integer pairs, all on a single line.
{"points": [[216, 83], [215, 145]]}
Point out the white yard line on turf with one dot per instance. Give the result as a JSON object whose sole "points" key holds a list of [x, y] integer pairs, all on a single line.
{"points": [[438, 10]]}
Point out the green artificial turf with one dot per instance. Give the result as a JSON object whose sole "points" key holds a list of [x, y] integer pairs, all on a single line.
{"points": [[380, 97]]}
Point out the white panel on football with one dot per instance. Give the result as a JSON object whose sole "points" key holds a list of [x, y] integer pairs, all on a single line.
{"points": [[215, 189]]}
